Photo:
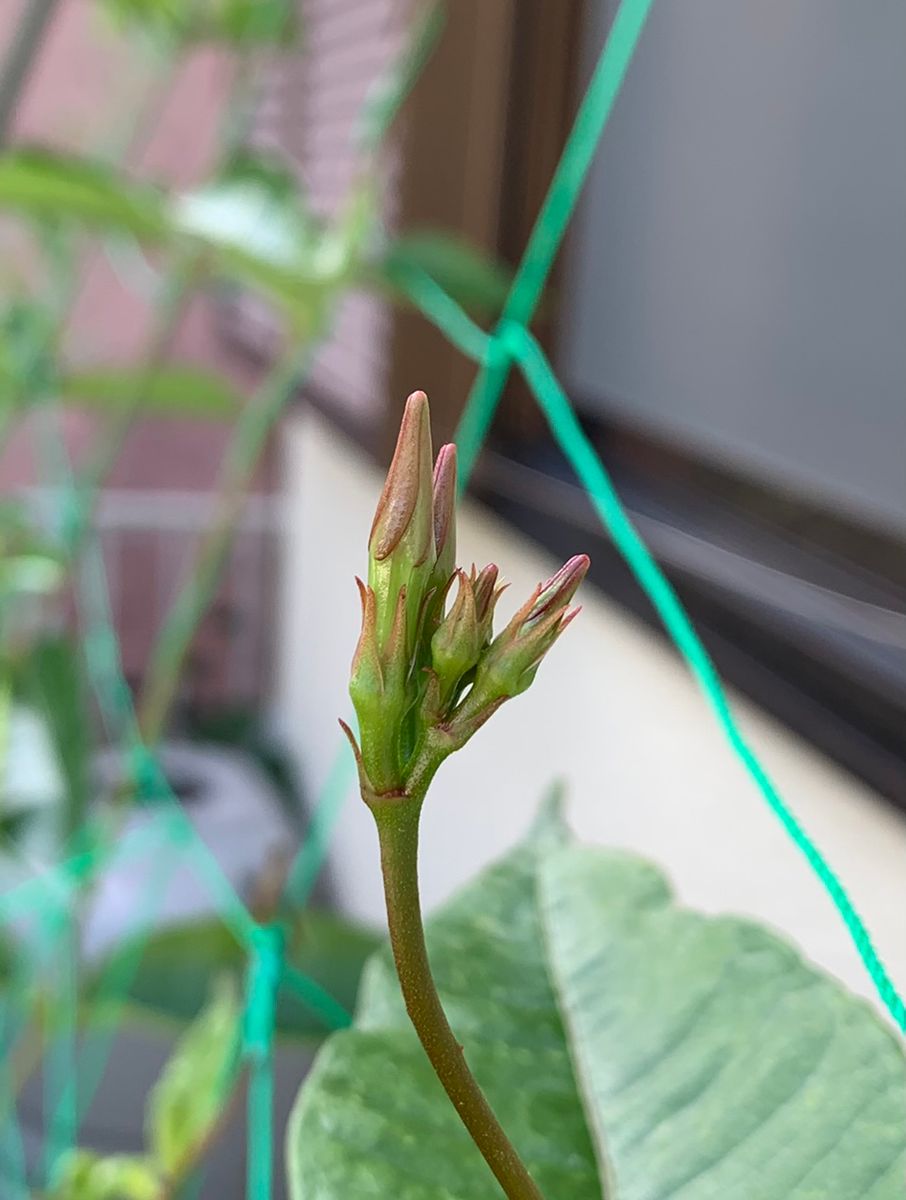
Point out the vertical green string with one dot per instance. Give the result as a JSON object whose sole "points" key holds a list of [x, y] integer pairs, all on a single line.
{"points": [[60, 1093], [265, 969], [513, 342], [553, 219], [570, 437], [308, 862]]}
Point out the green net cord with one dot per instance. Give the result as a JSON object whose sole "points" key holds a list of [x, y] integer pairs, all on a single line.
{"points": [[588, 467], [513, 343], [553, 219], [265, 970], [510, 344]]}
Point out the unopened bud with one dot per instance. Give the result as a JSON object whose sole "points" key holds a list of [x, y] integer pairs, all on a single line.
{"points": [[511, 661], [377, 688], [487, 593], [444, 496], [457, 643], [401, 546]]}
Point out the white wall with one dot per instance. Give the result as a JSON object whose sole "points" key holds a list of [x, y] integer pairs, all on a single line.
{"points": [[612, 711]]}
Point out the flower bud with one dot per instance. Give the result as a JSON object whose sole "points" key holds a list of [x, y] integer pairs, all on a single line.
{"points": [[487, 593], [457, 643], [510, 663], [444, 498], [424, 680], [401, 546], [377, 687]]}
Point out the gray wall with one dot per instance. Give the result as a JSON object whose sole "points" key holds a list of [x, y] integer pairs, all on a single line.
{"points": [[737, 275]]}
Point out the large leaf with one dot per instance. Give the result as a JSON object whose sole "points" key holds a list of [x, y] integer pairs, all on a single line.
{"points": [[684, 1057], [177, 389], [175, 968], [374, 1121]]}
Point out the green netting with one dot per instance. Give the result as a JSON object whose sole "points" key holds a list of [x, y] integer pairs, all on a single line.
{"points": [[49, 901]]}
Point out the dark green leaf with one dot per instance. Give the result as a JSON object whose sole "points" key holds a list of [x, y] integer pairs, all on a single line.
{"points": [[469, 277], [13, 826], [177, 965], [177, 389], [631, 1049], [54, 673], [238, 23]]}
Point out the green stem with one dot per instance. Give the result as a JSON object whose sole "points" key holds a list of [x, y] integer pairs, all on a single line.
{"points": [[30, 31], [397, 823], [176, 293], [243, 456]]}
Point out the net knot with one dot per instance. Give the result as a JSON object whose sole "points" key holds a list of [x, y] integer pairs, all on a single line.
{"points": [[264, 973]]}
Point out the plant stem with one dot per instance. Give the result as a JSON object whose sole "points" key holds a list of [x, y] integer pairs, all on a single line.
{"points": [[255, 423], [176, 292], [32, 26], [397, 823]]}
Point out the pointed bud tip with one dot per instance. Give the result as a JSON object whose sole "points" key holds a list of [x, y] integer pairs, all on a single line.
{"points": [[444, 497], [405, 496], [561, 587]]}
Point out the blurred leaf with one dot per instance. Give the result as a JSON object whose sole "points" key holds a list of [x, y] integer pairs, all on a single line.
{"points": [[472, 279], [177, 389], [177, 966], [27, 366], [8, 958], [195, 1084], [392, 88], [29, 564], [240, 23], [84, 1175], [256, 22], [43, 184], [13, 826], [30, 575], [54, 673], [250, 224], [254, 221]]}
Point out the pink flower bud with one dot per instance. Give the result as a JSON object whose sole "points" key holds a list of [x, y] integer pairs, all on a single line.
{"points": [[487, 593], [444, 494], [510, 663], [401, 546]]}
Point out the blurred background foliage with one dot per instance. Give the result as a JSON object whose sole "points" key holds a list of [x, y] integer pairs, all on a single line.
{"points": [[64, 704]]}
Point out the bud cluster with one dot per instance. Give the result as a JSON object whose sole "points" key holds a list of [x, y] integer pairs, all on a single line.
{"points": [[425, 677]]}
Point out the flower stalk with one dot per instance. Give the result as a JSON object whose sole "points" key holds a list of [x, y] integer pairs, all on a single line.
{"points": [[424, 679]]}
